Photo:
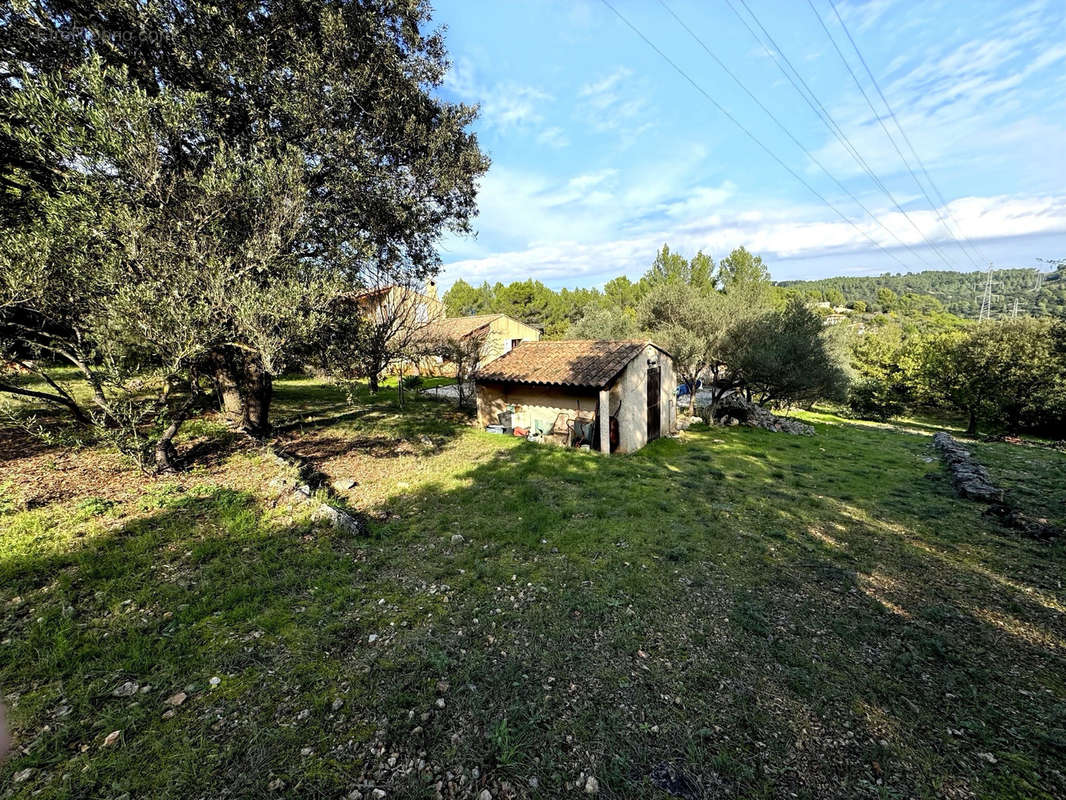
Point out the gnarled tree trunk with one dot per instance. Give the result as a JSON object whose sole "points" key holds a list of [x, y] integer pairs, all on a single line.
{"points": [[245, 389]]}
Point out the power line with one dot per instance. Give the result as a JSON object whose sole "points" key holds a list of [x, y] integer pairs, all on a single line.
{"points": [[906, 139], [881, 122], [819, 109], [787, 132], [747, 132]]}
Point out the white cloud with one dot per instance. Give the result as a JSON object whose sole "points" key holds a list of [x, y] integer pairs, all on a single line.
{"points": [[575, 255], [509, 105], [957, 101], [613, 103], [553, 136], [602, 92], [506, 105], [701, 200], [863, 16]]}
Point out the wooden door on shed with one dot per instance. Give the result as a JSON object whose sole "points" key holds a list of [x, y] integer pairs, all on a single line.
{"points": [[653, 403]]}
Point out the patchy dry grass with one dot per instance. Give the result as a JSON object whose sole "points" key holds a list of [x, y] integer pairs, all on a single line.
{"points": [[733, 614]]}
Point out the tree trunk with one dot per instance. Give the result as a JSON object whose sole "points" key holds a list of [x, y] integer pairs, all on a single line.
{"points": [[245, 390], [166, 455], [459, 383], [971, 429]]}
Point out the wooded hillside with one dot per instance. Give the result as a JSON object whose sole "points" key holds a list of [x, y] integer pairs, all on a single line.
{"points": [[1038, 293]]}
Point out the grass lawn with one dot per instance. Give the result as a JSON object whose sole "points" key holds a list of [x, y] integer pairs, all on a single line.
{"points": [[734, 613]]}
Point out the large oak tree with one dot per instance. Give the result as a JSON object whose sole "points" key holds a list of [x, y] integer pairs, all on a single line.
{"points": [[187, 185]]}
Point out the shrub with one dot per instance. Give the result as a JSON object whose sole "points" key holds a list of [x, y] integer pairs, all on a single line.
{"points": [[874, 399]]}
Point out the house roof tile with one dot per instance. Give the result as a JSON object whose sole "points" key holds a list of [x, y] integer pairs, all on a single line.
{"points": [[458, 327], [590, 363]]}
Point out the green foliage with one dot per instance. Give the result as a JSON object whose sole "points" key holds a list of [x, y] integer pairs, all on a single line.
{"points": [[1007, 373], [672, 267], [680, 317], [93, 507], [604, 322], [181, 200], [463, 300], [834, 297], [886, 298], [528, 301], [621, 293], [1039, 293], [788, 356], [876, 399], [1010, 373], [745, 276]]}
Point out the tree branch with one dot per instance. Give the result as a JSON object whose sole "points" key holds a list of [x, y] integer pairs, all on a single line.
{"points": [[58, 399]]}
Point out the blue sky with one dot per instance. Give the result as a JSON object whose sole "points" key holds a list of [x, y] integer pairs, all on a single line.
{"points": [[601, 151]]}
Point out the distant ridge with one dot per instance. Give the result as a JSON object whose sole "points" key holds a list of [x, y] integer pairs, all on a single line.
{"points": [[1037, 293]]}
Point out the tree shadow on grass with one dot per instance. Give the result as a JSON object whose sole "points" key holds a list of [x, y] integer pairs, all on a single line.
{"points": [[599, 615], [206, 586], [778, 639]]}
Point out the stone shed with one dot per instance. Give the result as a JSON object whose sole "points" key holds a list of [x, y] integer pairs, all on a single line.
{"points": [[615, 396]]}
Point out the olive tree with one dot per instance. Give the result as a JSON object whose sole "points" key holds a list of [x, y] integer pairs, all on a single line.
{"points": [[681, 318], [1010, 373], [187, 188], [788, 356]]}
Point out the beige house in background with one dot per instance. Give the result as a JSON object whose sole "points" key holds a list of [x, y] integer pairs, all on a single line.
{"points": [[407, 306], [614, 395], [501, 334]]}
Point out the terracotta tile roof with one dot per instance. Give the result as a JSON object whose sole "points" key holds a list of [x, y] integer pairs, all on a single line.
{"points": [[458, 327], [592, 363]]}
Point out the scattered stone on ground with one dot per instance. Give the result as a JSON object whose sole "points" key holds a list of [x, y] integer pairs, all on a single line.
{"points": [[457, 538], [339, 519], [177, 699], [284, 487], [684, 421], [592, 786], [735, 410], [111, 738], [451, 392], [128, 689], [1037, 528]]}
